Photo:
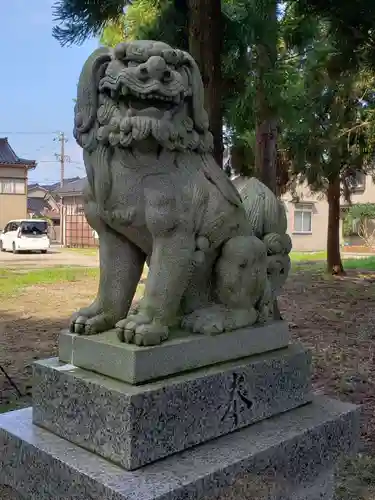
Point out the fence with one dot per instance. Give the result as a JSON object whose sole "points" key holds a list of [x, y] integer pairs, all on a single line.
{"points": [[77, 232]]}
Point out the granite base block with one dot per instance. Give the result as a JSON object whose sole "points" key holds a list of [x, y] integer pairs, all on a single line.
{"points": [[272, 460], [7, 493], [322, 488], [105, 354], [135, 425]]}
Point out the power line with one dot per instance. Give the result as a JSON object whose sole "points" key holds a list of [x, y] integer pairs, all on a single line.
{"points": [[58, 159], [29, 133], [46, 180], [52, 181]]}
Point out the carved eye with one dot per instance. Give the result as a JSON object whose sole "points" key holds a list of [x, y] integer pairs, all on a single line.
{"points": [[167, 75], [170, 57]]}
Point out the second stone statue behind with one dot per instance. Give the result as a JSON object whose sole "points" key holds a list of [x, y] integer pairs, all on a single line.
{"points": [[218, 254]]}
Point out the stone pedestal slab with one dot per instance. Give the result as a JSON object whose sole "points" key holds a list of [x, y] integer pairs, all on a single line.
{"points": [[282, 458], [135, 425], [7, 493], [105, 354]]}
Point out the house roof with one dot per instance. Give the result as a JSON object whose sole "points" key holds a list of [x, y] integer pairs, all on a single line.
{"points": [[51, 187], [72, 188], [34, 185], [40, 206], [9, 157], [36, 205]]}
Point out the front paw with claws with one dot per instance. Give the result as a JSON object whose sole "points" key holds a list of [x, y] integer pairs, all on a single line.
{"points": [[207, 321], [87, 324], [142, 330], [218, 319]]}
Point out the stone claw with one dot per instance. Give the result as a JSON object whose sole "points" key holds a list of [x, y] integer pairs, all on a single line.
{"points": [[141, 330], [215, 320], [77, 324], [84, 325], [204, 321]]}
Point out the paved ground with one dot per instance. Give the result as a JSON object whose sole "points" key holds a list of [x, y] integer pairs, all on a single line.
{"points": [[55, 257]]}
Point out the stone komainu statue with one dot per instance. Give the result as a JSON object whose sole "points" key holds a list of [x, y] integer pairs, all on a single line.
{"points": [[217, 256]]}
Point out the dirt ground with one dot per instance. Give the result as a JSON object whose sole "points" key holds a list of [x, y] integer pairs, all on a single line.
{"points": [[55, 257], [332, 316], [30, 325]]}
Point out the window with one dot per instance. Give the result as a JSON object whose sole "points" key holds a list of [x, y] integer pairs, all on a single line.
{"points": [[37, 227], [12, 186], [302, 218], [12, 226], [19, 186], [6, 186], [357, 181]]}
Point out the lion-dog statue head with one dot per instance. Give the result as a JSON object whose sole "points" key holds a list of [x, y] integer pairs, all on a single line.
{"points": [[140, 90]]}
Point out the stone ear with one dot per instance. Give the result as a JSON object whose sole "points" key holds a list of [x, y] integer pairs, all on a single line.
{"points": [[120, 50], [87, 94], [199, 113]]}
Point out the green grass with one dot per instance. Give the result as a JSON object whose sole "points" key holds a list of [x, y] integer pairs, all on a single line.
{"points": [[14, 405], [295, 256], [366, 263], [316, 260], [307, 256], [82, 251], [356, 478], [13, 281]]}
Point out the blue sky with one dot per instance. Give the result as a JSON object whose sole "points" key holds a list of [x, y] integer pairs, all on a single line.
{"points": [[37, 87]]}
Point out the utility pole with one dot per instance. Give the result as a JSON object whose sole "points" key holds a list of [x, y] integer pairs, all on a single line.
{"points": [[62, 157]]}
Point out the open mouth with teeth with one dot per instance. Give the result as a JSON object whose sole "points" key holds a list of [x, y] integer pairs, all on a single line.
{"points": [[142, 104]]}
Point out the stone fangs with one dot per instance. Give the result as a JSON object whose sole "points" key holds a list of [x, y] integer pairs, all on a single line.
{"points": [[127, 93]]}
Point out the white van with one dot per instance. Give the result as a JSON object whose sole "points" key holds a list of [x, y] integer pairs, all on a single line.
{"points": [[25, 234]]}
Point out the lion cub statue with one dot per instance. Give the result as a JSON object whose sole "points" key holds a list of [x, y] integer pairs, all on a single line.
{"points": [[217, 254]]}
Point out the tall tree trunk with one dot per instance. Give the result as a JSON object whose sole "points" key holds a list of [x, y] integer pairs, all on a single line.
{"points": [[205, 45], [266, 117], [266, 152], [334, 262]]}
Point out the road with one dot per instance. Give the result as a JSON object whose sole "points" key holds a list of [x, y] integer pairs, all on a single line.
{"points": [[55, 257]]}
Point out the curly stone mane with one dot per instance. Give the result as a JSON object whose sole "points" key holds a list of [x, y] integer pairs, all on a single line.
{"points": [[113, 86]]}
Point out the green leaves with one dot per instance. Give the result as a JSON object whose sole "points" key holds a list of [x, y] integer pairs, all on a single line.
{"points": [[329, 139], [78, 20], [319, 82], [361, 210], [360, 219], [151, 20], [350, 26]]}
